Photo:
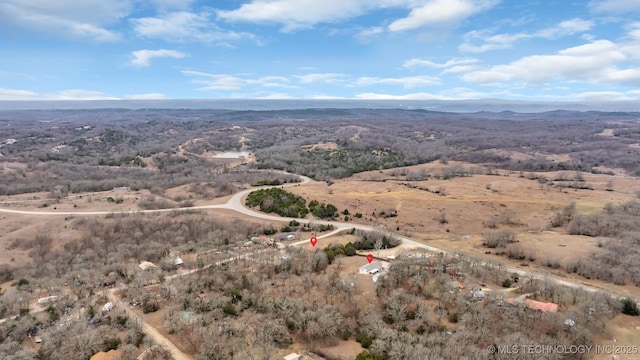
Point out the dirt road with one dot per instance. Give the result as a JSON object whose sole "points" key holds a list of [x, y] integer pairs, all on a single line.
{"points": [[149, 330]]}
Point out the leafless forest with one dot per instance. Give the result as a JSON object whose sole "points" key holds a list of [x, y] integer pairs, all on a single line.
{"points": [[92, 150], [239, 306]]}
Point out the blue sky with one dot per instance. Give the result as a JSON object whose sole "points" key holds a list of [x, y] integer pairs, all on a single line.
{"points": [[546, 50]]}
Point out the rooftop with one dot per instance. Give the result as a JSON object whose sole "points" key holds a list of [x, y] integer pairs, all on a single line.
{"points": [[110, 355], [537, 305], [376, 265]]}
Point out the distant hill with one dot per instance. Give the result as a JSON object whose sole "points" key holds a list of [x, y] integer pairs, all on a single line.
{"points": [[464, 106]]}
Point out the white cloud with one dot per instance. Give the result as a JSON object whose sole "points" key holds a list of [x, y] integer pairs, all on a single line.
{"points": [[407, 82], [274, 96], [503, 41], [614, 6], [460, 69], [565, 28], [17, 94], [603, 96], [634, 31], [221, 82], [184, 26], [593, 62], [327, 78], [142, 57], [326, 97], [415, 96], [417, 62], [365, 35], [80, 95], [302, 14], [276, 82], [440, 12], [226, 82], [297, 14], [81, 19], [149, 96]]}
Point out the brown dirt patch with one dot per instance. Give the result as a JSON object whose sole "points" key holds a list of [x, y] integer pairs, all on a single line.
{"points": [[323, 146]]}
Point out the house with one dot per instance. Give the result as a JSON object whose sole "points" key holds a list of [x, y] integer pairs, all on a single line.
{"points": [[293, 356], [286, 236], [121, 190], [147, 265], [537, 305], [370, 269], [47, 299], [541, 306], [478, 294], [110, 355]]}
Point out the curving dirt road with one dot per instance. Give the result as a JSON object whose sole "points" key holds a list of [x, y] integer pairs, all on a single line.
{"points": [[236, 203]]}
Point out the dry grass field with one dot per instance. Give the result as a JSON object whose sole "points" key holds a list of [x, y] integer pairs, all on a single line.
{"points": [[471, 203]]}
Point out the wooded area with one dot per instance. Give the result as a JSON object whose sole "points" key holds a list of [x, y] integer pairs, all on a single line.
{"points": [[243, 290]]}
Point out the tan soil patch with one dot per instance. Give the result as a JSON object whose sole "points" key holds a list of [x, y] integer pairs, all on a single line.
{"points": [[323, 146], [343, 350], [606, 132]]}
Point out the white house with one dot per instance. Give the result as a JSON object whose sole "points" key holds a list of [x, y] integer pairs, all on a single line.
{"points": [[293, 356], [370, 269], [47, 299]]}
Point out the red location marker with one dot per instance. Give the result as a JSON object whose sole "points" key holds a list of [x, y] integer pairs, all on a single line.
{"points": [[369, 258], [314, 241]]}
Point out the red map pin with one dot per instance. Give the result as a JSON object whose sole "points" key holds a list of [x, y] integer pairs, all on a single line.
{"points": [[314, 241], [369, 258]]}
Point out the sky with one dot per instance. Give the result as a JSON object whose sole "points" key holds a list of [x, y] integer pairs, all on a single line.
{"points": [[545, 50]]}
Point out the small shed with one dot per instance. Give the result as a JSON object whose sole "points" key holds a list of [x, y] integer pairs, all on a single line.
{"points": [[107, 307], [178, 261], [121, 190], [147, 265], [370, 269], [293, 356]]}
